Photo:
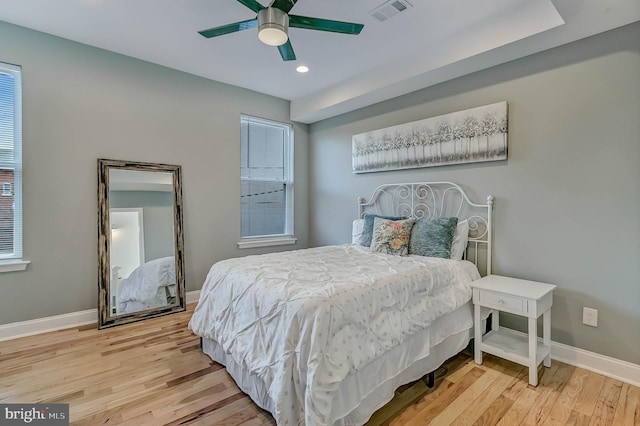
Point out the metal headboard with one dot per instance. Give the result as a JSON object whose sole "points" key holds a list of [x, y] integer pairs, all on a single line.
{"points": [[437, 199]]}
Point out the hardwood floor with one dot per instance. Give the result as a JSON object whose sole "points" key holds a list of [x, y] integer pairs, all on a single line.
{"points": [[153, 373]]}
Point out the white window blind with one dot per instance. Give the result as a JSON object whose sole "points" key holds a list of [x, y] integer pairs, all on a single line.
{"points": [[10, 162], [267, 178]]}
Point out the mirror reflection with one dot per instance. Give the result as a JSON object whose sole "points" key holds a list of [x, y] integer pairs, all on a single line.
{"points": [[140, 241], [143, 271]]}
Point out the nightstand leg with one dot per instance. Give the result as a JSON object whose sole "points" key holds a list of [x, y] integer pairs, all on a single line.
{"points": [[495, 319], [546, 338], [477, 328], [533, 340]]}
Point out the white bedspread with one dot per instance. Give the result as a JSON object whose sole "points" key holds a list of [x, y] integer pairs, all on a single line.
{"points": [[144, 287], [303, 320]]}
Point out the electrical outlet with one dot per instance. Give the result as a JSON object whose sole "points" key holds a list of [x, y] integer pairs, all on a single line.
{"points": [[590, 317]]}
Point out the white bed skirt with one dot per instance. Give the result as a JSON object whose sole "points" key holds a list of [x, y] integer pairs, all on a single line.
{"points": [[363, 393]]}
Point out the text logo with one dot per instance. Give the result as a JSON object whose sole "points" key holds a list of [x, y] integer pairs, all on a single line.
{"points": [[34, 414]]}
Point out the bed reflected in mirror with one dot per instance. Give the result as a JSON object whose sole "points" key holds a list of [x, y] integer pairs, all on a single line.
{"points": [[140, 241]]}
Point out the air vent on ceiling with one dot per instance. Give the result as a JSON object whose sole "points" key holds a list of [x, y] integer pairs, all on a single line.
{"points": [[389, 9]]}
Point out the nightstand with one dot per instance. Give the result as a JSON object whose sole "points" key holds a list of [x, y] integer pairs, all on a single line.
{"points": [[520, 297]]}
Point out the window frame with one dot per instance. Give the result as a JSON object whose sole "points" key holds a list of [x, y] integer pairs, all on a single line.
{"points": [[14, 261], [7, 192], [288, 236]]}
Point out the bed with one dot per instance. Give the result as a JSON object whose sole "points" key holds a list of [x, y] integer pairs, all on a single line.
{"points": [[324, 336], [150, 285]]}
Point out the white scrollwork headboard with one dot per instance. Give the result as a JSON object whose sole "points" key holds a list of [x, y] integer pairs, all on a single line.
{"points": [[437, 199]]}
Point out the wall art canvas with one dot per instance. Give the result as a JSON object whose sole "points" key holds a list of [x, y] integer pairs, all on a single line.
{"points": [[474, 135]]}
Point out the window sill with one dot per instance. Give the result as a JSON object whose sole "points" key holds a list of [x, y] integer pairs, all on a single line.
{"points": [[13, 265], [266, 242]]}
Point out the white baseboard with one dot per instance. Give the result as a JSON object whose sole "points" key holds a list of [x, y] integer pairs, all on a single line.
{"points": [[607, 366], [15, 330], [611, 367], [59, 322], [193, 296]]}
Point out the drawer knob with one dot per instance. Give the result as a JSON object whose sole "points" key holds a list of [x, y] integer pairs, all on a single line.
{"points": [[500, 302]]}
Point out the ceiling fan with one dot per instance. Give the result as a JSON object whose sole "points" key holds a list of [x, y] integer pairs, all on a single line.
{"points": [[273, 23]]}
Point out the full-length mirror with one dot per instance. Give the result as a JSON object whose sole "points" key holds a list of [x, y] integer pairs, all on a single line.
{"points": [[140, 241]]}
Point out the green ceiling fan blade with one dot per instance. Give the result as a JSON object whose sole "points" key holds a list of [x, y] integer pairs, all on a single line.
{"points": [[283, 5], [324, 25], [252, 4], [286, 51], [278, 12], [229, 28]]}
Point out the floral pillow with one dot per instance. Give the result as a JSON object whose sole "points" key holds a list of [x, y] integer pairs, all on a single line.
{"points": [[391, 236], [367, 227]]}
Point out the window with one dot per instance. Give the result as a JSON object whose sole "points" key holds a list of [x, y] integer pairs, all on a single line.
{"points": [[10, 166], [266, 155]]}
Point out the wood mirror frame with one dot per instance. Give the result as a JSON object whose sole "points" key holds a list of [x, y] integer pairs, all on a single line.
{"points": [[105, 311]]}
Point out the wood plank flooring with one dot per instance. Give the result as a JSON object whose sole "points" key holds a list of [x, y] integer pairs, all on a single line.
{"points": [[154, 373]]}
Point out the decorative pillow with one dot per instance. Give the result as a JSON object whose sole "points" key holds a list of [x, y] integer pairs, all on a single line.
{"points": [[367, 227], [433, 237], [356, 231], [391, 236], [460, 240]]}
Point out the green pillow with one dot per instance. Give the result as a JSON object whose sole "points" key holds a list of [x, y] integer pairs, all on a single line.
{"points": [[433, 237], [367, 227]]}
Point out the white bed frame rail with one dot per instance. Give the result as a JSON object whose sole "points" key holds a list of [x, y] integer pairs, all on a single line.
{"points": [[437, 199]]}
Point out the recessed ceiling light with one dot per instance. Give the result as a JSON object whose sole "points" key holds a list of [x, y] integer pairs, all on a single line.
{"points": [[302, 68]]}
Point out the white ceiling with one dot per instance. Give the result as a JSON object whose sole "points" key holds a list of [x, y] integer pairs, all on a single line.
{"points": [[136, 180], [431, 42]]}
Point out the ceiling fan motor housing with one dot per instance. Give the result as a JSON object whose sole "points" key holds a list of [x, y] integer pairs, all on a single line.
{"points": [[273, 25]]}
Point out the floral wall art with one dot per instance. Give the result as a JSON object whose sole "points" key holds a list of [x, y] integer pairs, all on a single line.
{"points": [[474, 135]]}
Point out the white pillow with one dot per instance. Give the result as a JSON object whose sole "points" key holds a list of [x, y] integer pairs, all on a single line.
{"points": [[460, 239], [356, 231]]}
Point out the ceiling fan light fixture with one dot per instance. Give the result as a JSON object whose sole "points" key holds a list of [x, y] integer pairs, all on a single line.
{"points": [[273, 26], [273, 36]]}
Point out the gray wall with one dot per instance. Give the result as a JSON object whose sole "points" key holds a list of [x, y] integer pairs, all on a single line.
{"points": [[157, 219], [83, 103], [567, 201]]}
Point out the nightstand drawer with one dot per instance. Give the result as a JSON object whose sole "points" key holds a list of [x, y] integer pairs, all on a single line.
{"points": [[502, 301]]}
